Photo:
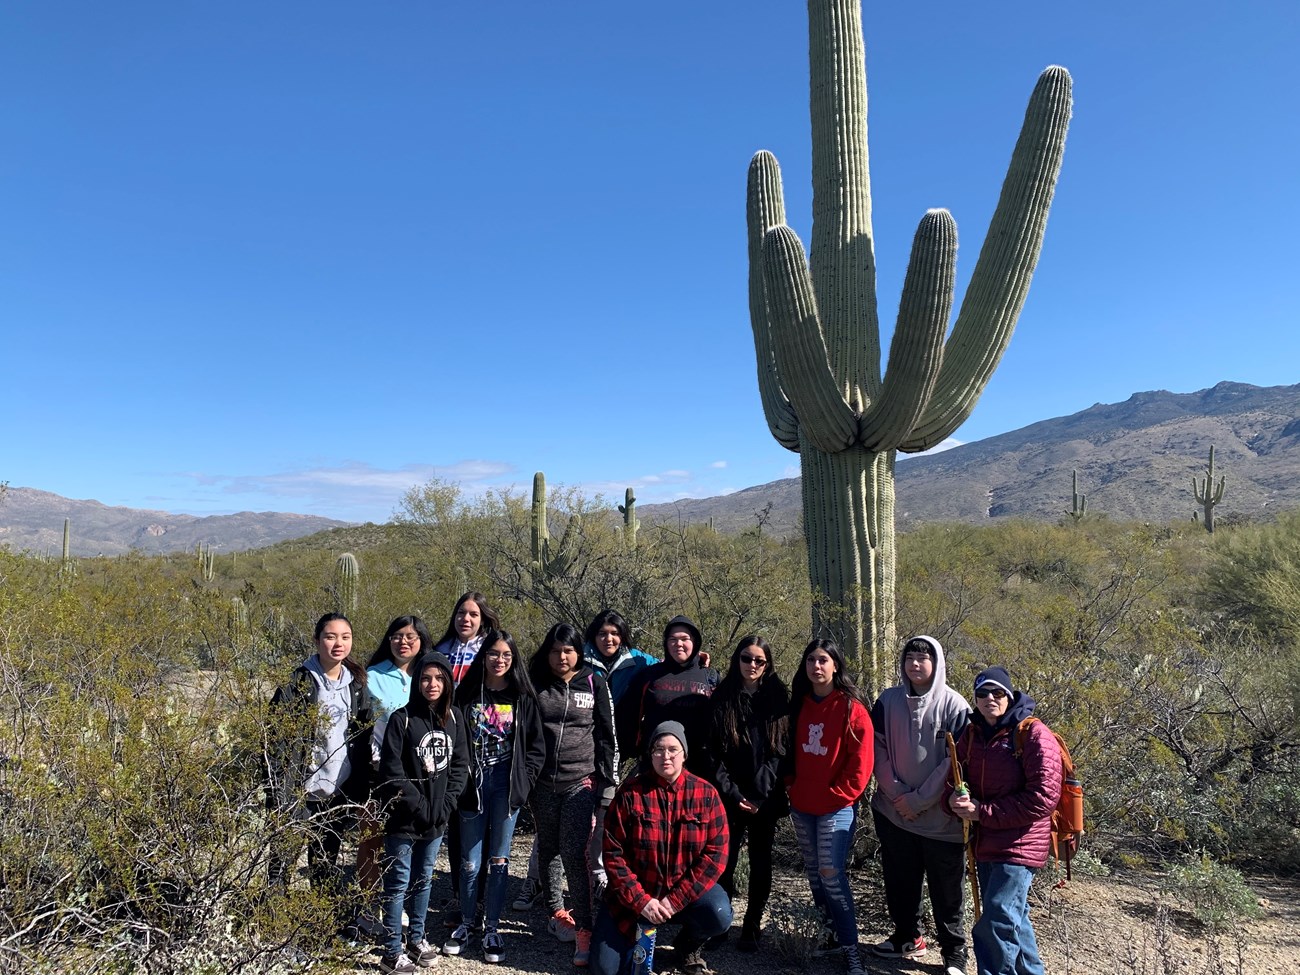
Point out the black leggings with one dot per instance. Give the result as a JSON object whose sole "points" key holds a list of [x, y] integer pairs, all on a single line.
{"points": [[758, 832]]}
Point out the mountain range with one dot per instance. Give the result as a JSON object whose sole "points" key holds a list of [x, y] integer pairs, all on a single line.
{"points": [[1135, 460]]}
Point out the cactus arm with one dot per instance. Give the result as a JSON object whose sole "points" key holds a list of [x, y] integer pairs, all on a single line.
{"points": [[824, 418], [843, 256], [1000, 281], [765, 209], [916, 352]]}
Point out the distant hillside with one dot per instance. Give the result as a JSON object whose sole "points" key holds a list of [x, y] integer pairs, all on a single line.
{"points": [[33, 520], [1135, 460]]}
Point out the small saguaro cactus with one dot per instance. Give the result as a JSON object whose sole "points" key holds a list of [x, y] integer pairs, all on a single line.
{"points": [[347, 573], [1207, 494], [630, 523], [817, 331], [1080, 504], [208, 563], [67, 539], [544, 562]]}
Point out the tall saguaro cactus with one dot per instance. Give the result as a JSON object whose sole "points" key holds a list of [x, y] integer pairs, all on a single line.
{"points": [[545, 562], [630, 522], [1079, 510], [1207, 495], [817, 335], [346, 574]]}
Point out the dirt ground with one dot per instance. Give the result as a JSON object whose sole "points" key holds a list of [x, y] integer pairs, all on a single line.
{"points": [[1091, 925]]}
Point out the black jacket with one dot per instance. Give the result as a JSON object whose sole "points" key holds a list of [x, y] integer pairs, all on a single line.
{"points": [[423, 768], [578, 725], [670, 691], [751, 768], [527, 753]]}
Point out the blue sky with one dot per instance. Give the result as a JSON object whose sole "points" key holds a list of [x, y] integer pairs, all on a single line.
{"points": [[302, 256]]}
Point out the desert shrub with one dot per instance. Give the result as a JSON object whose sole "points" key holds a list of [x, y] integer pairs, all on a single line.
{"points": [[1215, 894]]}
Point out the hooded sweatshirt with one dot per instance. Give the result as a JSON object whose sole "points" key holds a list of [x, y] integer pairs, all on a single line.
{"points": [[620, 669], [672, 691], [424, 763], [911, 751], [578, 726]]}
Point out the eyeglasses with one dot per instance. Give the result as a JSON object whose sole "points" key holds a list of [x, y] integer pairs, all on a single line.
{"points": [[492, 655], [665, 752], [404, 638], [746, 658], [996, 693]]}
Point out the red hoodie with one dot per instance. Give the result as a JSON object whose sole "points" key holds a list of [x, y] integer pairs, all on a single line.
{"points": [[833, 748]]}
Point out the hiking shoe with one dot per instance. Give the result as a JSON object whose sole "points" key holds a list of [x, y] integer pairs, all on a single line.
{"points": [[401, 964], [422, 953], [530, 895], [954, 964], [494, 948], [853, 960], [562, 926], [582, 952], [897, 948], [456, 941], [693, 964]]}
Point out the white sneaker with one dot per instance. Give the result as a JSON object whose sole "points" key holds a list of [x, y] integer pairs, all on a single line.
{"points": [[397, 965]]}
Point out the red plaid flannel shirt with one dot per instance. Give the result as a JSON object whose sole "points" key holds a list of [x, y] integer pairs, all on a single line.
{"points": [[663, 840]]}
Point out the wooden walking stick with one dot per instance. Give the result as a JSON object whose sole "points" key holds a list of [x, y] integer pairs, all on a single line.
{"points": [[959, 787]]}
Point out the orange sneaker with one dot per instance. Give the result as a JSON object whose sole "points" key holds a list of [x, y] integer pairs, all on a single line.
{"points": [[582, 953], [562, 926]]}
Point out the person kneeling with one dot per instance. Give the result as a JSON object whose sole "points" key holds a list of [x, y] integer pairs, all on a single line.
{"points": [[665, 849]]}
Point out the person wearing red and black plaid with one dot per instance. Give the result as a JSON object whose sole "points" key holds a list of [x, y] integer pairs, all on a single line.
{"points": [[665, 848]]}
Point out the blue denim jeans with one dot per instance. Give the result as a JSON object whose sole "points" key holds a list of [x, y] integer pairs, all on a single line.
{"points": [[1003, 937], [611, 949], [492, 827], [408, 876], [824, 842]]}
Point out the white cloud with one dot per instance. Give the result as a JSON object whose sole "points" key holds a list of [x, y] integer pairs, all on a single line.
{"points": [[718, 465]]}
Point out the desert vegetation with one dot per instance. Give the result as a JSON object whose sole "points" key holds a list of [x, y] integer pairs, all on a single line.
{"points": [[134, 725]]}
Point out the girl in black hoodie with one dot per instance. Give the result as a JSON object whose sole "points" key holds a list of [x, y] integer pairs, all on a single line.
{"points": [[578, 777], [748, 741], [423, 767]]}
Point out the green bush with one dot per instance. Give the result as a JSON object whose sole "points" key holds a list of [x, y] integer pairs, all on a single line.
{"points": [[1215, 894]]}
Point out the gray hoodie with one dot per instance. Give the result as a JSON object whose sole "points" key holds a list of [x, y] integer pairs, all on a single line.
{"points": [[330, 763], [911, 753]]}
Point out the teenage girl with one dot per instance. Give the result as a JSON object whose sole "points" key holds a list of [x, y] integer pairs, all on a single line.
{"points": [[388, 675], [578, 778], [470, 621], [331, 767], [749, 741], [423, 767], [832, 752], [505, 730]]}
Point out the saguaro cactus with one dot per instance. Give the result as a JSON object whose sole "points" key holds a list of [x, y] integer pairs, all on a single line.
{"points": [[817, 336], [1080, 503], [346, 575], [67, 540], [630, 523], [1207, 495], [544, 562]]}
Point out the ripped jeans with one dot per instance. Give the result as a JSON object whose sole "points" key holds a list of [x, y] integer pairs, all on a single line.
{"points": [[824, 842]]}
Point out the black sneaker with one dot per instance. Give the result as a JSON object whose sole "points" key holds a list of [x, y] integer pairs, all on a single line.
{"points": [[750, 935], [955, 964], [494, 948], [898, 948], [457, 941]]}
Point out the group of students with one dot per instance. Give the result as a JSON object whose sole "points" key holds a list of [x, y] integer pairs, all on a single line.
{"points": [[465, 733]]}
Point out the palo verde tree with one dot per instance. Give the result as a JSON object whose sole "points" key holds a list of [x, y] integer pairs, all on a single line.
{"points": [[817, 335]]}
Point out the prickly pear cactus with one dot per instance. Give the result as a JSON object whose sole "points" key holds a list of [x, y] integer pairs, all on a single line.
{"points": [[817, 336]]}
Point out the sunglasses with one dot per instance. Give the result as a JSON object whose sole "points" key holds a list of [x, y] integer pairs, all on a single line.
{"points": [[994, 692], [746, 658]]}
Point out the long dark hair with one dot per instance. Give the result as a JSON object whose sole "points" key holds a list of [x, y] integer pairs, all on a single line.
{"points": [[770, 700], [441, 708], [539, 668], [801, 686], [471, 685], [490, 619], [607, 617], [351, 666], [384, 651]]}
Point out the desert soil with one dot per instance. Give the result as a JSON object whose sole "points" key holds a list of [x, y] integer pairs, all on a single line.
{"points": [[1090, 925]]}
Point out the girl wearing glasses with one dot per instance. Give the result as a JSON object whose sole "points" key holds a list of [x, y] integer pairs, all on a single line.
{"points": [[831, 747], [388, 674], [748, 741], [1013, 778], [919, 841], [507, 750]]}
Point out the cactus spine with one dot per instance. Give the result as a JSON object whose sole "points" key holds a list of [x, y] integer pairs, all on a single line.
{"points": [[630, 523], [1080, 503], [544, 562], [1207, 494], [817, 336], [347, 573]]}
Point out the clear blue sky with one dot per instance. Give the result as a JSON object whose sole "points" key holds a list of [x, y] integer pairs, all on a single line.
{"points": [[301, 256]]}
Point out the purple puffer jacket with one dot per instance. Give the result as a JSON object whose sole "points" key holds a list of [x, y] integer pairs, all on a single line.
{"points": [[1016, 796]]}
